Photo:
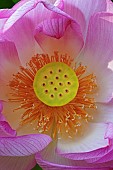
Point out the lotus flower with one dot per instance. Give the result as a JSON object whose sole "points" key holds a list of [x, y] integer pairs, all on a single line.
{"points": [[56, 85]]}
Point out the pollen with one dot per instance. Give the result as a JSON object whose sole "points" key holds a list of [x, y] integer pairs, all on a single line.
{"points": [[53, 95]]}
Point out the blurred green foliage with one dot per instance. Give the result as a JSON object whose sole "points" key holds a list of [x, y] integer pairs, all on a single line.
{"points": [[37, 168], [15, 1], [6, 4]]}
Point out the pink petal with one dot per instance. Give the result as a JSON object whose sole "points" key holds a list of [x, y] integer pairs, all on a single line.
{"points": [[95, 155], [94, 135], [70, 8], [5, 13], [2, 118], [110, 65], [2, 21], [6, 130], [98, 52], [108, 152], [49, 159], [25, 42], [1, 107], [59, 4], [109, 6], [26, 7], [9, 63], [17, 163], [59, 34], [23, 145], [98, 6], [104, 112], [50, 166], [109, 131]]}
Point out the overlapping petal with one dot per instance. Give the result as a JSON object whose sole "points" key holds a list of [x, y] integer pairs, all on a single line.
{"points": [[23, 145], [6, 130], [93, 135], [109, 6], [56, 161], [98, 52], [9, 63], [26, 26], [52, 33], [59, 26], [77, 9]]}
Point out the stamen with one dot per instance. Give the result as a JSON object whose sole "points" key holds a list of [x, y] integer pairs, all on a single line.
{"points": [[66, 120]]}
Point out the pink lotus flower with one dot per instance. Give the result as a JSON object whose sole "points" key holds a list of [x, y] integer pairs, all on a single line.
{"points": [[56, 85]]}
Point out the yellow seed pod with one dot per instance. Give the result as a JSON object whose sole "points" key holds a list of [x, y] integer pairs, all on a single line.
{"points": [[55, 84]]}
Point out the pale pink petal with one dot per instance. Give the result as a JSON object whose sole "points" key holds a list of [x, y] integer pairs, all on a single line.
{"points": [[109, 6], [2, 118], [76, 13], [5, 13], [50, 166], [2, 21], [19, 4], [1, 107], [23, 145], [59, 4], [22, 35], [95, 155], [49, 159], [17, 163], [9, 64], [6, 130], [109, 131], [98, 52], [93, 135], [110, 65], [104, 112], [59, 34], [26, 7], [88, 8], [108, 152], [34, 14]]}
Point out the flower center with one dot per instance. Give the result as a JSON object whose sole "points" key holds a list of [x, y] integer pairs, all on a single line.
{"points": [[53, 96], [55, 84]]}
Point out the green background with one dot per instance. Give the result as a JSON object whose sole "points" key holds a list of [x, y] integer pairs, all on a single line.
{"points": [[9, 4]]}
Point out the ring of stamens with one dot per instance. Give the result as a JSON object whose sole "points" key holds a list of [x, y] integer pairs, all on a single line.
{"points": [[64, 120]]}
